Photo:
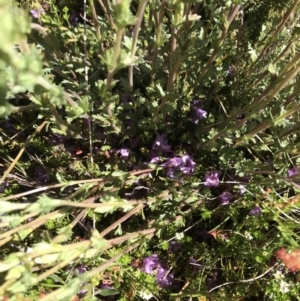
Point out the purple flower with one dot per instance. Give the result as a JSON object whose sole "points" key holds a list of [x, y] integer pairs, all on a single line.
{"points": [[108, 292], [174, 246], [195, 264], [161, 143], [74, 19], [174, 162], [154, 158], [56, 139], [293, 171], [106, 287], [42, 174], [139, 192], [123, 152], [163, 278], [229, 71], [171, 174], [150, 263], [255, 211], [153, 264], [197, 103], [210, 283], [8, 125], [36, 13], [197, 112], [187, 166], [3, 186], [212, 179], [81, 269], [225, 197]]}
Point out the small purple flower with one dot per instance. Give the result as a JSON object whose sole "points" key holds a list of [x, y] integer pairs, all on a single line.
{"points": [[242, 189], [174, 246], [161, 143], [108, 292], [293, 171], [150, 263], [196, 266], [187, 166], [197, 112], [42, 174], [225, 197], [8, 125], [139, 192], [106, 287], [212, 179], [154, 158], [56, 139], [74, 19], [171, 174], [173, 162], [197, 103], [163, 278], [153, 264], [255, 211], [81, 269], [36, 13], [123, 152], [210, 283], [229, 71], [3, 186]]}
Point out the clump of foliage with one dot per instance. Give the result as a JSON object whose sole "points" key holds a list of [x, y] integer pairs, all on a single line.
{"points": [[149, 150]]}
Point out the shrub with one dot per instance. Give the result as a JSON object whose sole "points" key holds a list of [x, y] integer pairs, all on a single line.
{"points": [[149, 150]]}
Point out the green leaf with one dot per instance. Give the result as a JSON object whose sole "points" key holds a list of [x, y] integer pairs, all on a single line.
{"points": [[160, 90], [122, 13], [98, 241]]}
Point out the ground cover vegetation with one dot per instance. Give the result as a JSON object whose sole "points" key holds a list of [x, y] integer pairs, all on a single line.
{"points": [[149, 150]]}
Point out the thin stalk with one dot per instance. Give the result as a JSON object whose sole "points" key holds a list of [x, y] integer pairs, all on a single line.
{"points": [[278, 29], [158, 18], [173, 46], [136, 30], [174, 57], [43, 31], [12, 165], [97, 26], [33, 224], [99, 205], [86, 70], [5, 241], [121, 220], [72, 183], [104, 266], [92, 273], [258, 105], [219, 43], [5, 286], [59, 266], [29, 107], [211, 16], [106, 9], [22, 219], [111, 72]]}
